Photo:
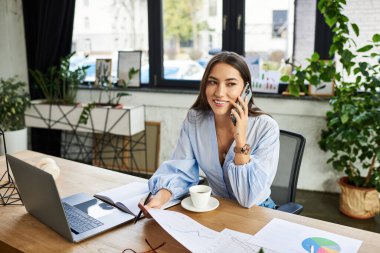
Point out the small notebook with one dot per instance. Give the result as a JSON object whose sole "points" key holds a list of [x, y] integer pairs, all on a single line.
{"points": [[127, 197]]}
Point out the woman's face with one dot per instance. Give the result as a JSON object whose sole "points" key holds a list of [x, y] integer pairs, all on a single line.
{"points": [[224, 85]]}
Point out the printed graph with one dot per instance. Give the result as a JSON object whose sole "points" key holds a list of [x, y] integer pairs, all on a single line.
{"points": [[320, 245]]}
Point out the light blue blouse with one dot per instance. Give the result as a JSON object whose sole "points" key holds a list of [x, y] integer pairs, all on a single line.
{"points": [[197, 147]]}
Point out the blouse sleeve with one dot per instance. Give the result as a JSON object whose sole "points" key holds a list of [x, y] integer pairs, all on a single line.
{"points": [[251, 182], [179, 173]]}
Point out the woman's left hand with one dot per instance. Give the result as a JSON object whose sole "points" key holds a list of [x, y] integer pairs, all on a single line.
{"points": [[241, 115]]}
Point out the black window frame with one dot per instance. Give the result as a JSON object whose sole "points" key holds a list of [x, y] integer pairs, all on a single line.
{"points": [[233, 39]]}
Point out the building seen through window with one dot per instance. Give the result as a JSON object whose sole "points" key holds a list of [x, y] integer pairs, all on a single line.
{"points": [[269, 33], [109, 26]]}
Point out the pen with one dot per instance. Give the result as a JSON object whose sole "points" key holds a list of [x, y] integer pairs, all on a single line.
{"points": [[145, 202]]}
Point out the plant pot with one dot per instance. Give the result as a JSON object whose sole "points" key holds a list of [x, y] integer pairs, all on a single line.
{"points": [[357, 202], [15, 140], [125, 121]]}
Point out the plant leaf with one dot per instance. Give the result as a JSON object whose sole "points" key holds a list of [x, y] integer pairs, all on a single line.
{"points": [[344, 118], [365, 48], [355, 28], [376, 38], [285, 79], [315, 57]]}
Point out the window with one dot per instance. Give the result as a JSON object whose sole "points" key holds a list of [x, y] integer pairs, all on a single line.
{"points": [[109, 26], [178, 38], [269, 33], [187, 29], [86, 23], [279, 24]]}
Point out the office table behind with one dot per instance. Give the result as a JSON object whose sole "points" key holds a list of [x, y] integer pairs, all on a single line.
{"points": [[23, 232]]}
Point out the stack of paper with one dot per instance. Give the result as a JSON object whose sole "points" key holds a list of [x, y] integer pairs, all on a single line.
{"points": [[277, 236]]}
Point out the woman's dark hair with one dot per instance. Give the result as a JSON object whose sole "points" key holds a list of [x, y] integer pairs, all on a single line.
{"points": [[238, 63]]}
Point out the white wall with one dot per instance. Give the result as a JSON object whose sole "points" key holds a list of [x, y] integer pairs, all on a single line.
{"points": [[12, 42]]}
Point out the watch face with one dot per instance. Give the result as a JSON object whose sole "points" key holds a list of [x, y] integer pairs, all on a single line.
{"points": [[244, 150]]}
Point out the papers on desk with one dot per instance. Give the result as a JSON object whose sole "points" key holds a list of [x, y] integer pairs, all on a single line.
{"points": [[198, 238], [233, 241], [288, 237], [277, 236], [194, 236]]}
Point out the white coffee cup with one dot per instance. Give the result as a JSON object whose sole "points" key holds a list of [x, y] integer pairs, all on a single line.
{"points": [[200, 195]]}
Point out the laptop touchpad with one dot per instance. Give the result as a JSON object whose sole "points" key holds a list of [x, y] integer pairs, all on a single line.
{"points": [[95, 208]]}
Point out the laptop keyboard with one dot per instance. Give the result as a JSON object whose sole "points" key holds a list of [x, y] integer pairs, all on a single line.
{"points": [[79, 221]]}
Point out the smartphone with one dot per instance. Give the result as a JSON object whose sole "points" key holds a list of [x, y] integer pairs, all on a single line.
{"points": [[247, 92]]}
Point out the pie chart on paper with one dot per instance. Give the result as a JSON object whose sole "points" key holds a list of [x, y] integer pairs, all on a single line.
{"points": [[320, 245]]}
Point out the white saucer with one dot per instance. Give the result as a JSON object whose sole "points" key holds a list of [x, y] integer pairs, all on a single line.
{"points": [[188, 205]]}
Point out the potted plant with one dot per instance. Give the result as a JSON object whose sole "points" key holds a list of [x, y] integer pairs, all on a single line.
{"points": [[60, 84], [14, 100], [61, 112], [352, 133], [113, 93]]}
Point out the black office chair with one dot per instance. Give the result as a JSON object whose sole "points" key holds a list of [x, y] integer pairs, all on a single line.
{"points": [[285, 182]]}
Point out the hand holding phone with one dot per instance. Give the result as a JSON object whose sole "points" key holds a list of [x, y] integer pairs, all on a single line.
{"points": [[247, 92]]}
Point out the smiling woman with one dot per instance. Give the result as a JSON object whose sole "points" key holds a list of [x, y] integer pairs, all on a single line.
{"points": [[224, 85], [240, 161]]}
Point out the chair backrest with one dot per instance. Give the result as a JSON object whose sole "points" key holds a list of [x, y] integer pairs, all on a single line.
{"points": [[285, 182]]}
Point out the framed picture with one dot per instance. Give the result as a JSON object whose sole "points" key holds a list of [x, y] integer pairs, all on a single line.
{"points": [[129, 68], [325, 89], [103, 72]]}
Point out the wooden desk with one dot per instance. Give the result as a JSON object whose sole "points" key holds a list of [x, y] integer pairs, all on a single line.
{"points": [[23, 232]]}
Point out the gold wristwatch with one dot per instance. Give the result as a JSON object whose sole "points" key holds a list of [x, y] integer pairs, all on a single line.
{"points": [[246, 149]]}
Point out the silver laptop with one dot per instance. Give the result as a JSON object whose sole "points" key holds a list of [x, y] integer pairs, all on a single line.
{"points": [[76, 217]]}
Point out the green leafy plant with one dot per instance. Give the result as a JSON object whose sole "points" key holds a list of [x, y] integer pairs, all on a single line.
{"points": [[112, 100], [60, 84], [112, 91], [352, 133], [14, 100]]}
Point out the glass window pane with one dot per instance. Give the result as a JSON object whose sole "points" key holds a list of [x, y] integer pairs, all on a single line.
{"points": [[192, 34], [269, 33], [102, 28]]}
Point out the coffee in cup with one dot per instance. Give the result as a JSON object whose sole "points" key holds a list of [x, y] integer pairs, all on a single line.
{"points": [[200, 195]]}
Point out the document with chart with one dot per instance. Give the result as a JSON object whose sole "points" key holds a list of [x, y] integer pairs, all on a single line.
{"points": [[198, 238], [289, 237]]}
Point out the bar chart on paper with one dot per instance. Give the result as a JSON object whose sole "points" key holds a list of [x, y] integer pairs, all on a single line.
{"points": [[320, 245]]}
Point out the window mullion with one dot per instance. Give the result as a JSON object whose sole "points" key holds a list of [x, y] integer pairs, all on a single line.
{"points": [[233, 18], [155, 41]]}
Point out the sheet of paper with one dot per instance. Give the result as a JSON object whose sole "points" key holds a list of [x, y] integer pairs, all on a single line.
{"points": [[192, 235], [124, 192], [287, 237], [233, 241], [241, 236]]}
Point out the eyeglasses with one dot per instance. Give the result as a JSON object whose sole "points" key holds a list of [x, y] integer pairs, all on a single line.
{"points": [[152, 249]]}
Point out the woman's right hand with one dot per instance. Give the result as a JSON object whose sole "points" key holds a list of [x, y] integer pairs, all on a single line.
{"points": [[157, 201]]}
